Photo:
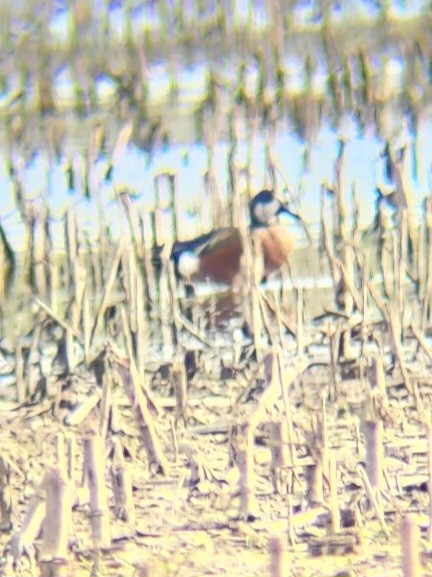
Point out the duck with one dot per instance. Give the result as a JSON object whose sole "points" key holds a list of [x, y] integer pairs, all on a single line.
{"points": [[215, 256]]}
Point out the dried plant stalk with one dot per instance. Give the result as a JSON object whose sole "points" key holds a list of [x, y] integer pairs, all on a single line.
{"points": [[180, 384], [422, 341], [78, 415], [86, 327], [402, 266], [142, 328], [57, 524], [334, 502], [300, 321], [71, 360], [78, 296], [421, 263], [176, 233], [7, 265], [346, 349], [121, 481], [373, 432], [108, 288], [71, 245], [143, 408], [284, 377], [106, 402], [279, 382], [94, 471], [53, 281], [314, 482], [63, 324], [241, 451], [280, 460], [165, 308], [174, 302], [39, 252], [19, 373], [327, 238], [396, 333], [386, 246], [278, 558], [372, 496], [150, 263], [322, 440], [60, 454], [377, 378], [7, 506], [71, 455], [126, 330], [334, 346], [251, 270], [427, 301], [129, 264], [403, 195], [343, 235], [22, 541], [429, 463], [410, 541]]}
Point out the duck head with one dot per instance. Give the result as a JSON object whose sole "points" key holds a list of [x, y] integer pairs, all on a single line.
{"points": [[265, 208]]}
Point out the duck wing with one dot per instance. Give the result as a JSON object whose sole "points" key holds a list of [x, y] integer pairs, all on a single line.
{"points": [[220, 256], [218, 253]]}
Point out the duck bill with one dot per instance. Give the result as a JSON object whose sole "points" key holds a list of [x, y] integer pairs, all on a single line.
{"points": [[285, 210]]}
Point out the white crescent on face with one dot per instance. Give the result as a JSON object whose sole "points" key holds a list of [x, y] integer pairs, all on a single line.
{"points": [[265, 212]]}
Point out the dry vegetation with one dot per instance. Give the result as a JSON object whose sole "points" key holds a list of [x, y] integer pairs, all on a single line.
{"points": [[143, 433]]}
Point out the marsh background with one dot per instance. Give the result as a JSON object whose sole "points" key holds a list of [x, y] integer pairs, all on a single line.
{"points": [[124, 125]]}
